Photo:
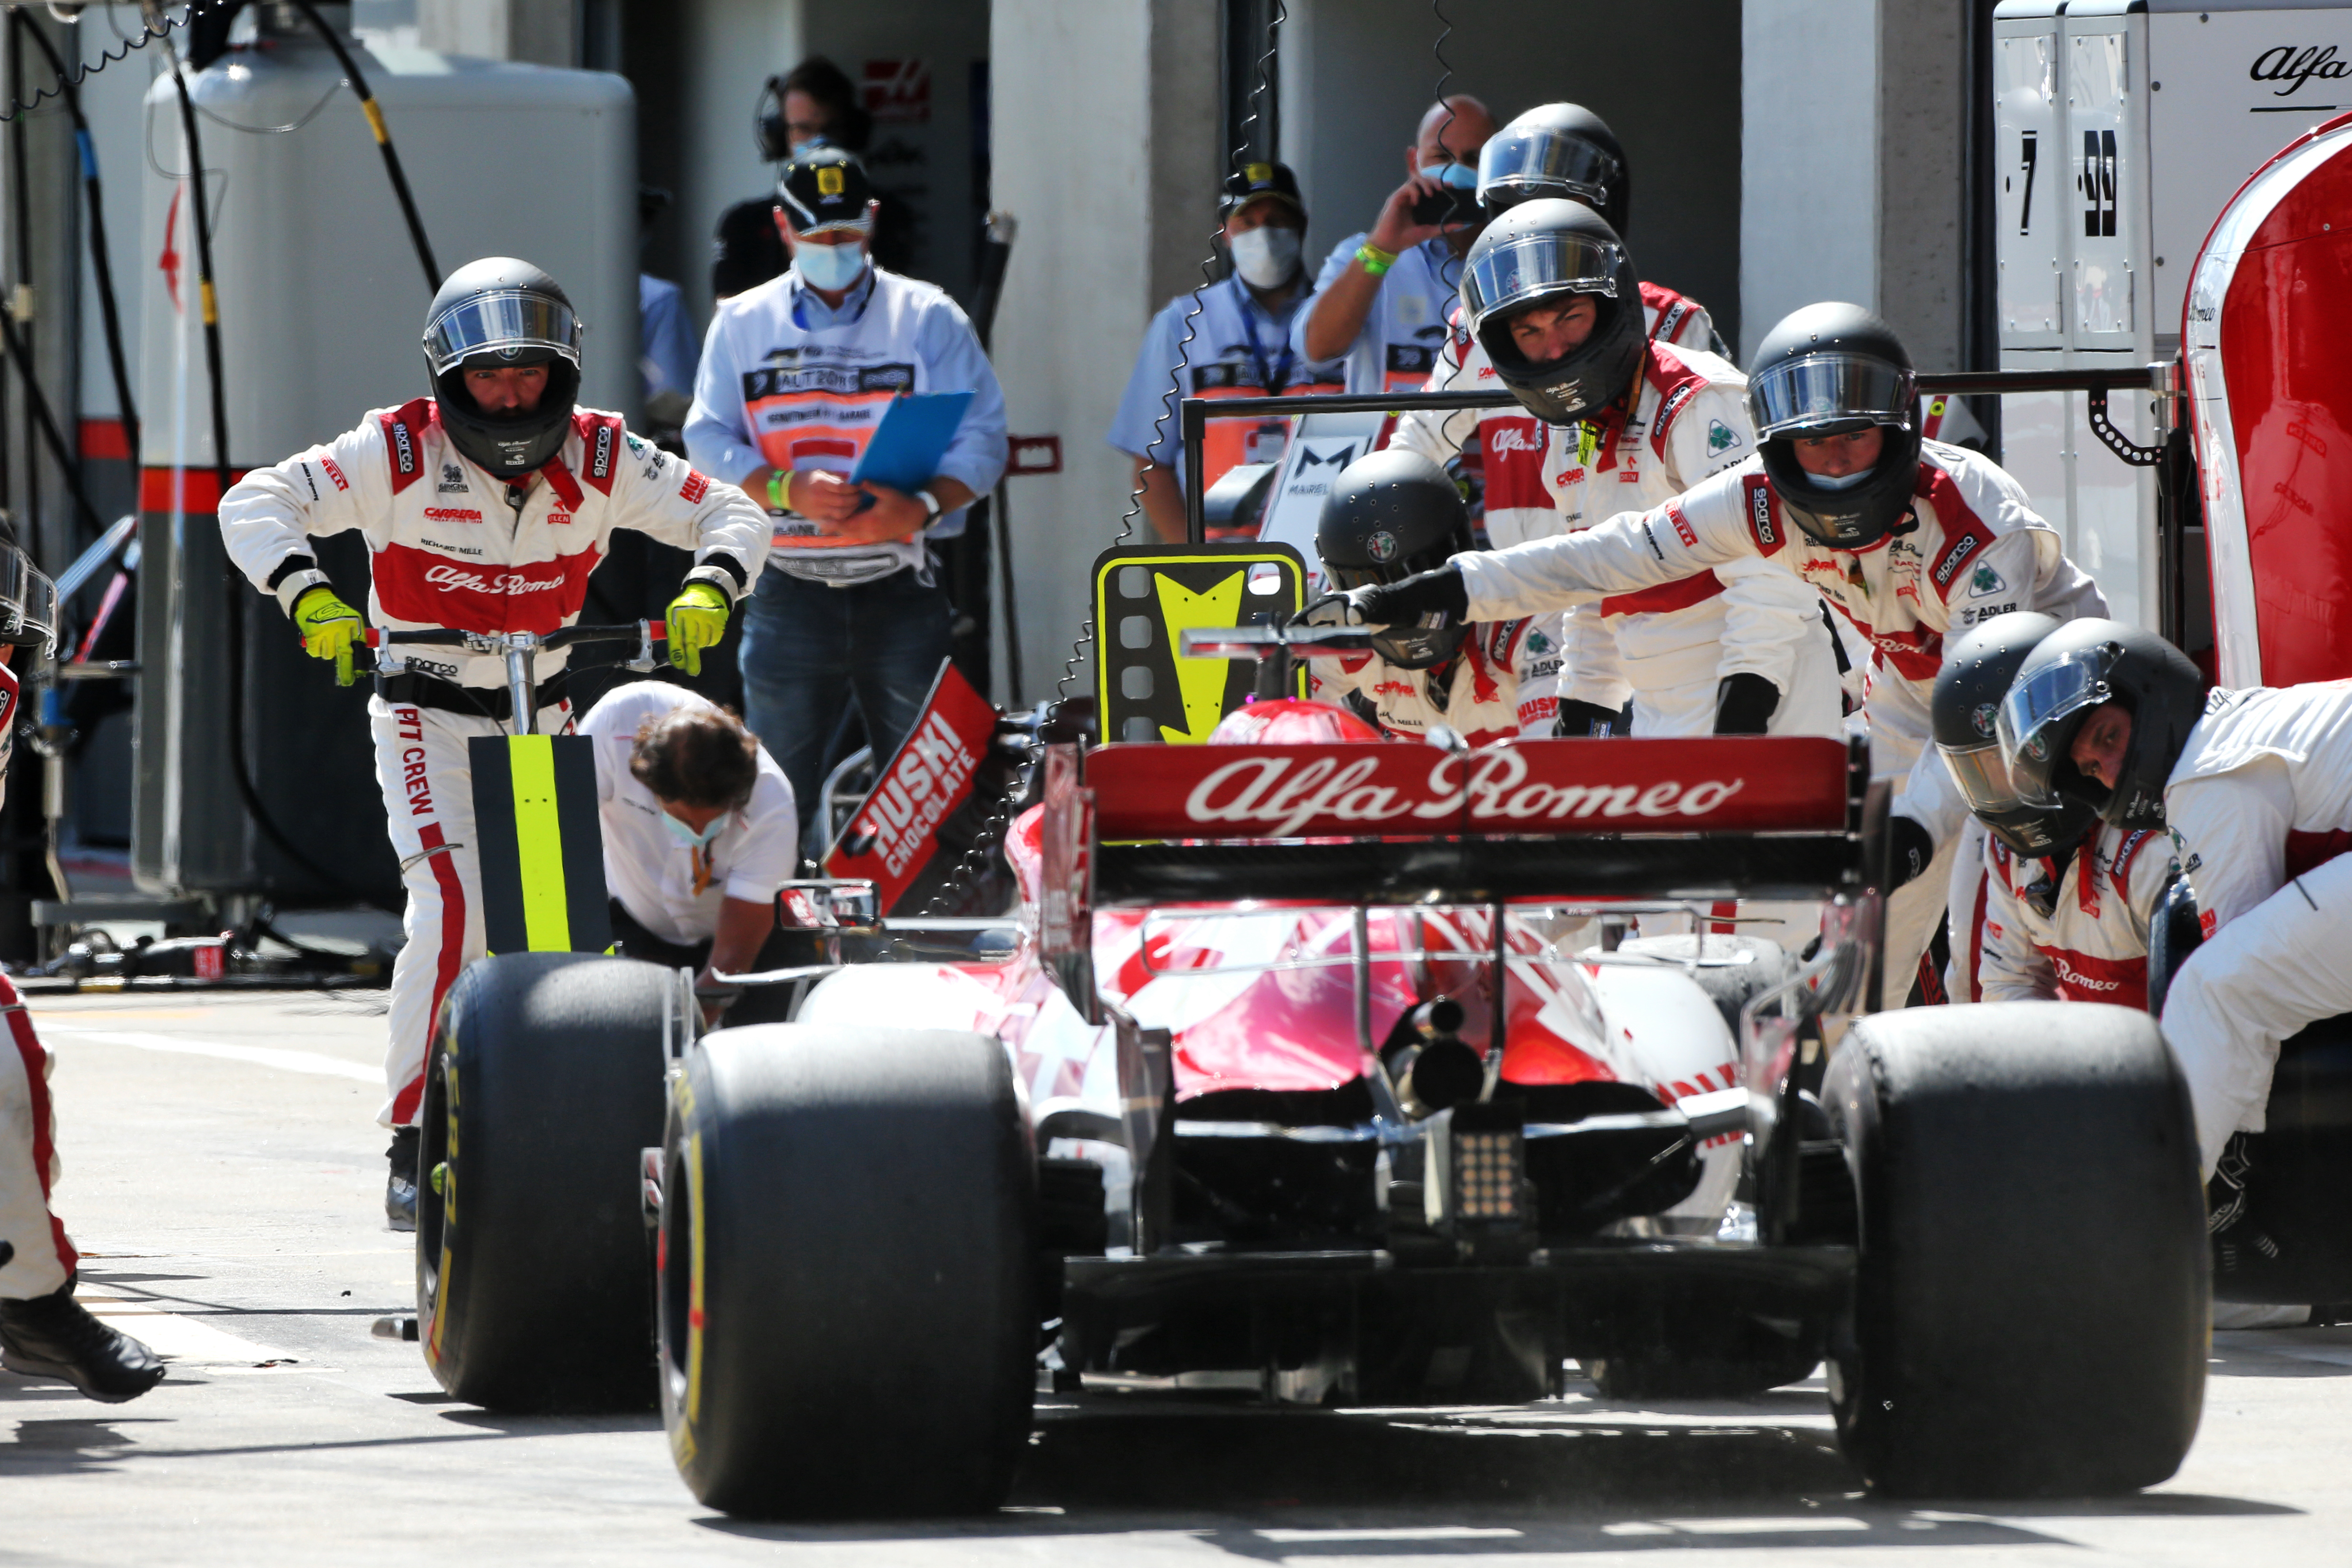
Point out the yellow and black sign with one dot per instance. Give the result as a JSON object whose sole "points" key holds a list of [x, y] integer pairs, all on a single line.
{"points": [[541, 847], [1146, 595]]}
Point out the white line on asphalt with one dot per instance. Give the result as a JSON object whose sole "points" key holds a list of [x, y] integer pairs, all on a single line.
{"points": [[178, 1338], [1400, 1532], [260, 1055]]}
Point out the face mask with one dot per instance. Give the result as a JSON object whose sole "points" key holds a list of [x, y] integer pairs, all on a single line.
{"points": [[1265, 257], [1842, 482], [687, 838], [831, 268], [1461, 176]]}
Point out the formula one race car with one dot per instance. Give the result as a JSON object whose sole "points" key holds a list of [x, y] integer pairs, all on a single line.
{"points": [[1324, 1074]]}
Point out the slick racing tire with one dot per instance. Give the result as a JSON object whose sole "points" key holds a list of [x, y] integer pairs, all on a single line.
{"points": [[1756, 966], [2029, 1317], [534, 1286], [848, 1252]]}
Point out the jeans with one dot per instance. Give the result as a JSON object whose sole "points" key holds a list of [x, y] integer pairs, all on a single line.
{"points": [[808, 647]]}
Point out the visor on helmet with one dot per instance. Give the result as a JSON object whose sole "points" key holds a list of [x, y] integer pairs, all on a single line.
{"points": [[2033, 720], [1982, 774], [1345, 577], [28, 603], [509, 323], [1542, 161], [1826, 393], [1536, 265]]}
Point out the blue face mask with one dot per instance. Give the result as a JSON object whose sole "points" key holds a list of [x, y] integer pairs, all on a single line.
{"points": [[1461, 176], [687, 838], [831, 268], [1841, 482]]}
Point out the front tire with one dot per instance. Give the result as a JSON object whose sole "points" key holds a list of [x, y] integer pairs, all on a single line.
{"points": [[849, 1245], [2030, 1312]]}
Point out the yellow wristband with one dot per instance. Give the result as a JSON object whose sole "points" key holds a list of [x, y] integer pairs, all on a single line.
{"points": [[780, 490], [1376, 261]]}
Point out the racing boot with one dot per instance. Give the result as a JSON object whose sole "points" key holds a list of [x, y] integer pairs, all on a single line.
{"points": [[2244, 1250], [55, 1336], [400, 1188]]}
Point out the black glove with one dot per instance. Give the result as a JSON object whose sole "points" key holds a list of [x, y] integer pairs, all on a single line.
{"points": [[1441, 592], [1910, 848], [1589, 720], [1744, 703]]}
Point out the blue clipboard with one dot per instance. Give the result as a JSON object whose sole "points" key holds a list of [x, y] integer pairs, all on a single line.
{"points": [[912, 437]]}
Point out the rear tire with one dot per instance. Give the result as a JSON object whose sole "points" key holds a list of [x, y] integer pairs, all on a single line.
{"points": [[2030, 1309], [533, 1284], [1761, 965], [847, 1295]]}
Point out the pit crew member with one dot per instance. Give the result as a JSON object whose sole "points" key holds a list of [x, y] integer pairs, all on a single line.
{"points": [[2046, 903], [700, 834], [2254, 789], [44, 1331], [1388, 515], [1381, 297], [1235, 343], [485, 508], [1909, 539], [1628, 422], [796, 376], [1560, 151]]}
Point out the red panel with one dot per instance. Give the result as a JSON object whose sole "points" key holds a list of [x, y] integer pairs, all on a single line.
{"points": [[428, 590], [201, 492], [2285, 322], [104, 438], [1736, 785]]}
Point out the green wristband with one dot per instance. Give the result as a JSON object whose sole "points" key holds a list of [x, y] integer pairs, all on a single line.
{"points": [[780, 491], [1376, 261]]}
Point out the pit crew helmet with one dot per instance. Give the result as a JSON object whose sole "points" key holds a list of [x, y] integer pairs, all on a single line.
{"points": [[1551, 249], [1290, 722], [1562, 150], [1389, 515], [1977, 669], [28, 600], [500, 313], [1830, 370], [2081, 667]]}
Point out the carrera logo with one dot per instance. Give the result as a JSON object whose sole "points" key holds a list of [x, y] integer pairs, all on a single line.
{"points": [[695, 487], [1949, 566], [454, 580], [1280, 796], [1683, 530], [1568, 477], [451, 514], [335, 473]]}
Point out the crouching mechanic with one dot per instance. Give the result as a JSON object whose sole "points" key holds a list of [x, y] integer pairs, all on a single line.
{"points": [[2254, 788], [700, 834], [1389, 515], [44, 1331], [485, 508], [1908, 539], [2048, 903]]}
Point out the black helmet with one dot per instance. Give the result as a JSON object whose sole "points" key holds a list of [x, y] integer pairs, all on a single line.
{"points": [[1562, 150], [499, 314], [1551, 249], [1831, 369], [2083, 666], [1977, 671], [1389, 515], [823, 188]]}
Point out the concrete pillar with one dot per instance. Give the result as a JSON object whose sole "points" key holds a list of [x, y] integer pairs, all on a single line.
{"points": [[1923, 55], [1105, 124]]}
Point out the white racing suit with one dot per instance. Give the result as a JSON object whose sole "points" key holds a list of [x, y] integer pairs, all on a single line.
{"points": [[1502, 683], [28, 1150], [448, 549], [2074, 929], [1972, 548], [2260, 810]]}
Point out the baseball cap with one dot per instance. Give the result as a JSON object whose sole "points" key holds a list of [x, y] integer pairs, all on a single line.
{"points": [[1251, 180], [823, 188]]}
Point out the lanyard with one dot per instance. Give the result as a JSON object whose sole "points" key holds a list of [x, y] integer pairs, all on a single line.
{"points": [[1274, 379]]}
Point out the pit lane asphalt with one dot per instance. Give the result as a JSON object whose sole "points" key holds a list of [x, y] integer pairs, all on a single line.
{"points": [[224, 1174]]}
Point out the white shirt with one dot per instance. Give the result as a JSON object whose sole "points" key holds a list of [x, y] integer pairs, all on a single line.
{"points": [[652, 874]]}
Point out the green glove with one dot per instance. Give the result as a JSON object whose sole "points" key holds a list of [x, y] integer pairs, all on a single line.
{"points": [[328, 627], [697, 619]]}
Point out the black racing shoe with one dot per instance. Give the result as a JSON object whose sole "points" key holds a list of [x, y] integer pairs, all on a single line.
{"points": [[400, 1188], [2239, 1243], [55, 1336]]}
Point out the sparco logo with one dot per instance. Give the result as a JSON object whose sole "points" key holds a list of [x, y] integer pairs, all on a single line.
{"points": [[1759, 516], [402, 453], [601, 464], [1962, 548], [2296, 67], [2069, 975], [475, 583], [1280, 795]]}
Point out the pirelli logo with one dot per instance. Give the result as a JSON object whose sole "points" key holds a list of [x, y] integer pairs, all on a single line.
{"points": [[1683, 530], [600, 466], [335, 473], [403, 449], [1945, 568], [694, 489], [1759, 517]]}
